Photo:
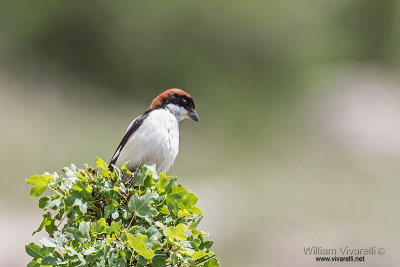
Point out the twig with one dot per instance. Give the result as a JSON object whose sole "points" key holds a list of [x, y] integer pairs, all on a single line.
{"points": [[133, 216], [90, 230], [119, 193], [55, 190], [62, 219], [135, 175], [206, 259], [161, 255]]}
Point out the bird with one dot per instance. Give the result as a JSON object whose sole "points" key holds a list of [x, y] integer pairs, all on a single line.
{"points": [[153, 137]]}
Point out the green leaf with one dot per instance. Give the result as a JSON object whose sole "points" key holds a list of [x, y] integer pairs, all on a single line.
{"points": [[117, 173], [195, 223], [115, 227], [174, 259], [163, 182], [195, 210], [121, 263], [49, 261], [49, 203], [51, 227], [106, 173], [48, 242], [154, 237], [174, 198], [36, 251], [177, 232], [60, 239], [141, 206], [164, 209], [141, 176], [100, 226], [89, 251], [84, 228], [34, 263], [101, 164], [125, 170], [74, 234], [213, 262], [82, 206], [40, 183], [159, 262], [195, 243], [198, 254], [125, 212], [188, 204], [183, 213], [206, 245], [179, 190], [190, 200], [138, 244], [107, 210], [47, 222]]}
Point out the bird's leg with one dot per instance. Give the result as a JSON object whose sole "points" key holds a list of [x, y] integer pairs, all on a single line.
{"points": [[135, 175]]}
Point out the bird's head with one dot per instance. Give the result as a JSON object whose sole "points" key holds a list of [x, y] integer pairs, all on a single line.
{"points": [[178, 102]]}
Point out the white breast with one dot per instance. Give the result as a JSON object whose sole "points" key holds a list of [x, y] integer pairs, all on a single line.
{"points": [[155, 142]]}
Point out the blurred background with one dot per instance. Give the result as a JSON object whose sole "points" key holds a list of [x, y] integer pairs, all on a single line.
{"points": [[299, 140]]}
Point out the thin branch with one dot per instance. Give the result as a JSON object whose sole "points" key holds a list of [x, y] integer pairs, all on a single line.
{"points": [[206, 259], [122, 195], [62, 219], [65, 193], [135, 175], [161, 255], [133, 216]]}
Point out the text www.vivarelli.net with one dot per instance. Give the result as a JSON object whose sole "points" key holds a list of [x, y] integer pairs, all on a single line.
{"points": [[338, 259]]}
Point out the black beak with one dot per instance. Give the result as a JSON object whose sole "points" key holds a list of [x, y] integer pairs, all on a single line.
{"points": [[194, 116]]}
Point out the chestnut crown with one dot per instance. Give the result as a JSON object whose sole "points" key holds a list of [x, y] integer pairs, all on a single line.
{"points": [[178, 98]]}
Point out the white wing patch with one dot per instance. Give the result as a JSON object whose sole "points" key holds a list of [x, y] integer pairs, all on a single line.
{"points": [[116, 154], [130, 125]]}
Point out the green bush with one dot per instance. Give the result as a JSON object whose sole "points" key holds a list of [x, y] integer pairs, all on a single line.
{"points": [[96, 217]]}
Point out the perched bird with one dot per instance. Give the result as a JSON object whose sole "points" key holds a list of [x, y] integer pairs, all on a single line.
{"points": [[153, 137]]}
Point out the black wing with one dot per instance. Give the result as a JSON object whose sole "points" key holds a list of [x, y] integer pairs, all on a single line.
{"points": [[131, 129]]}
